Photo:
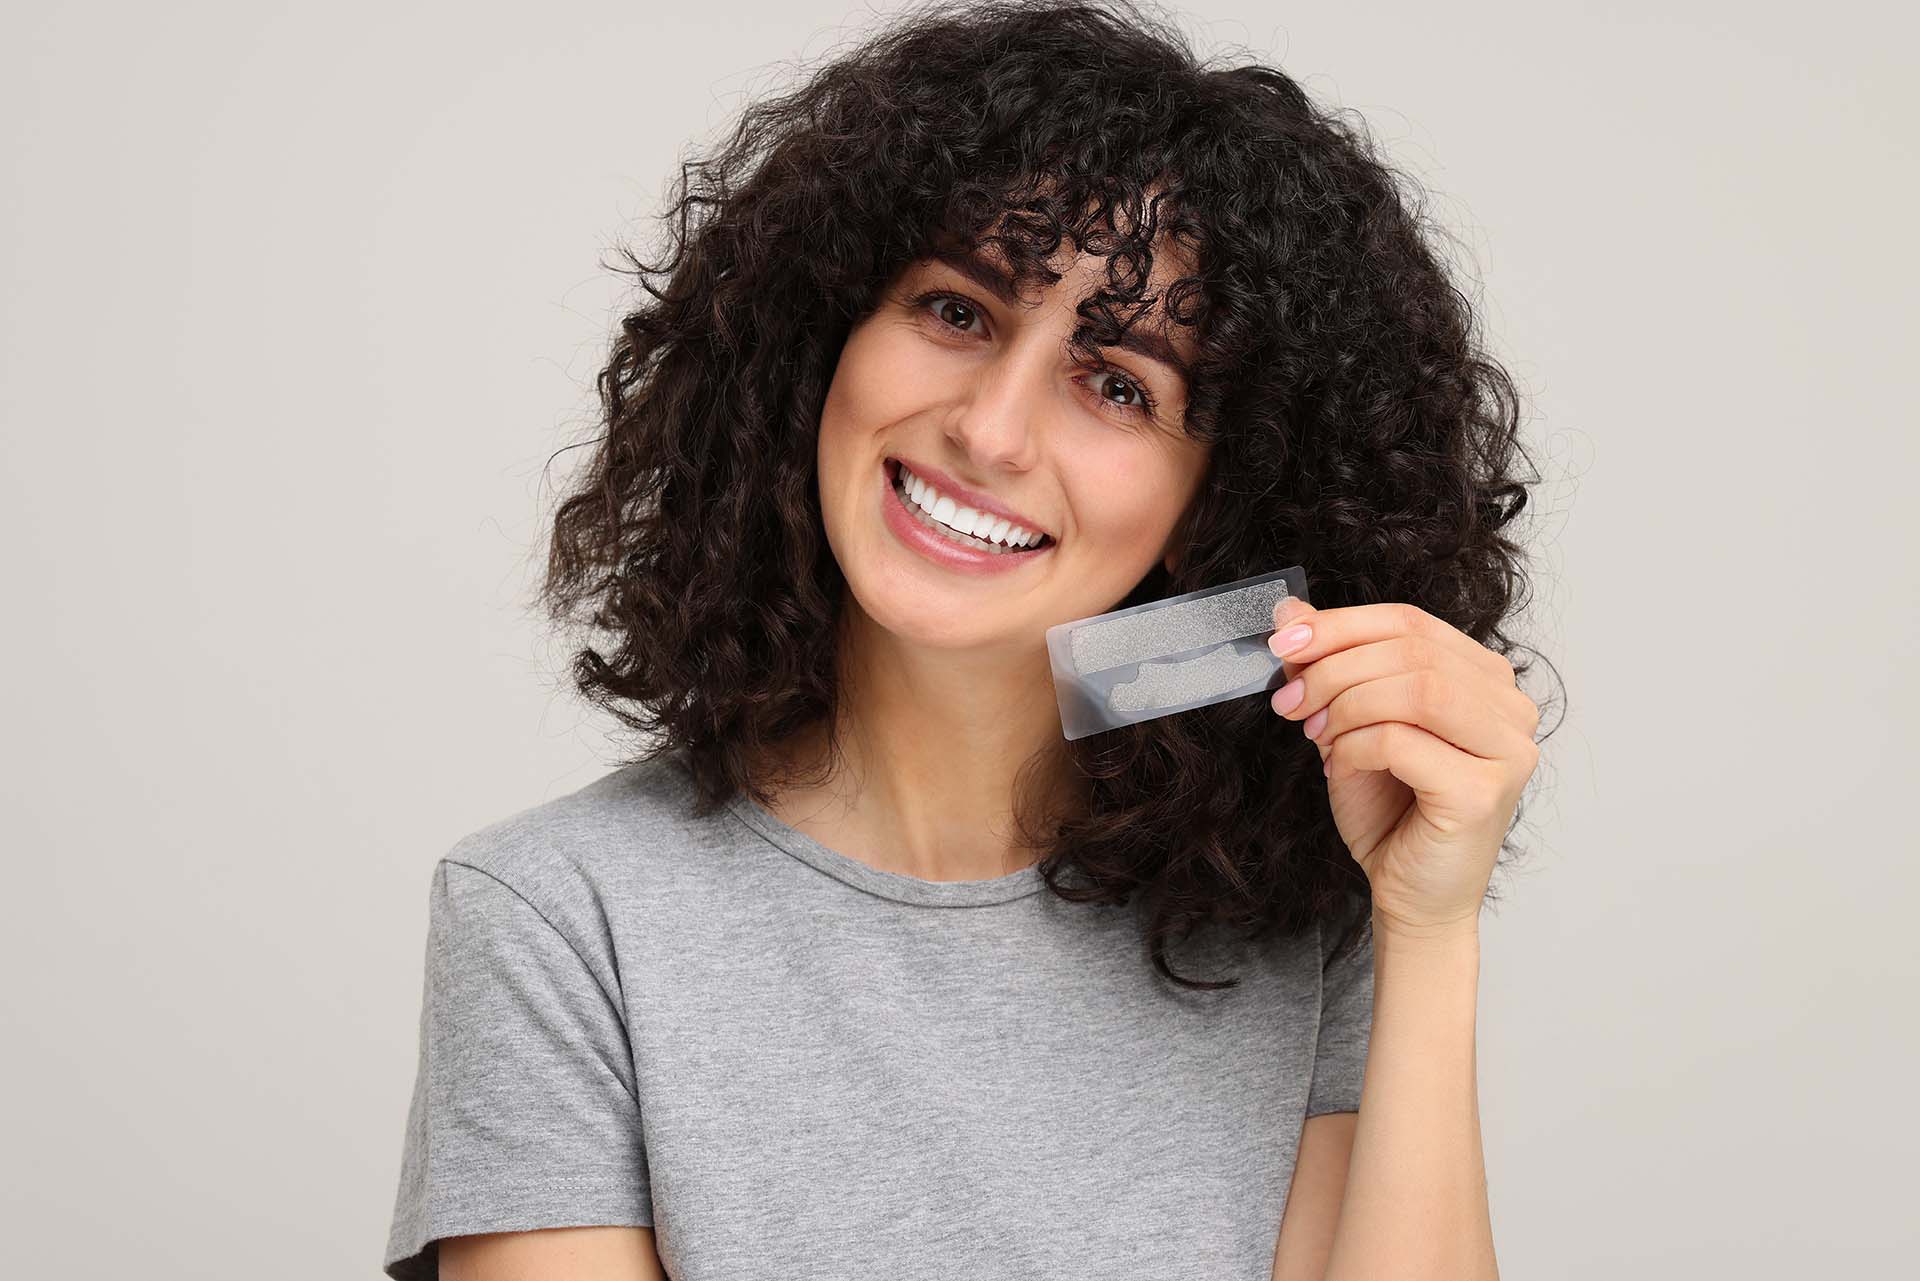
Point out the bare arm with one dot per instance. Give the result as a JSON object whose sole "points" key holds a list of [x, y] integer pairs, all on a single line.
{"points": [[553, 1254], [1313, 1199], [1427, 742], [1415, 1201]]}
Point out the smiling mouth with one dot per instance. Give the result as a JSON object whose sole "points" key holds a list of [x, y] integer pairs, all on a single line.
{"points": [[953, 535]]}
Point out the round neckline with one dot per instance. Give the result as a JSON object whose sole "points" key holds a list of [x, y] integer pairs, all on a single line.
{"points": [[897, 886]]}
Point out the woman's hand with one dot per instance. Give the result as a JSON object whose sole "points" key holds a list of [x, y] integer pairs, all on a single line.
{"points": [[1427, 742]]}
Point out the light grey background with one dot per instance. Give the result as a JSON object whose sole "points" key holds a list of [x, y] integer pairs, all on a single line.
{"points": [[298, 300]]}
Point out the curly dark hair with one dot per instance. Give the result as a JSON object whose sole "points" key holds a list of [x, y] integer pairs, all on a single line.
{"points": [[1356, 426]]}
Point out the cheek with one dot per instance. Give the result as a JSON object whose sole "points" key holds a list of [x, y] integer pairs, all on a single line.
{"points": [[853, 407], [1124, 498], [867, 391]]}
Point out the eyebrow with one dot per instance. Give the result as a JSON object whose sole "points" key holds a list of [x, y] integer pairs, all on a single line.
{"points": [[991, 277]]}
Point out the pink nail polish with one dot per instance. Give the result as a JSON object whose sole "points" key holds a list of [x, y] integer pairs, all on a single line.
{"points": [[1315, 723], [1284, 643], [1288, 696]]}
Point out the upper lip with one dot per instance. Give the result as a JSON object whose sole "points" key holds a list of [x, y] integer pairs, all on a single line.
{"points": [[951, 488]]}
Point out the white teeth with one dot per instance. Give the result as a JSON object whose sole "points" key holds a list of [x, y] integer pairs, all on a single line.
{"points": [[963, 520]]}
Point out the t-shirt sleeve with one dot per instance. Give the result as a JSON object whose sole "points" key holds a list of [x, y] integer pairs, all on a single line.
{"points": [[524, 1111], [1346, 1025]]}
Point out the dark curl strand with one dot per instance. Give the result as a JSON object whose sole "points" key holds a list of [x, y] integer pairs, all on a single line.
{"points": [[1356, 426]]}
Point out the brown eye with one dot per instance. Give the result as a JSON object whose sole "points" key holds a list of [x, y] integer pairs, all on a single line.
{"points": [[1142, 404], [948, 305], [1139, 393]]}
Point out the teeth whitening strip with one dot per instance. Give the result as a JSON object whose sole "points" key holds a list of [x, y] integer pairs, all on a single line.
{"points": [[1171, 655]]}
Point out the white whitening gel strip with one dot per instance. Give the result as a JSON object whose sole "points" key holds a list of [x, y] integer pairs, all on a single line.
{"points": [[1170, 655]]}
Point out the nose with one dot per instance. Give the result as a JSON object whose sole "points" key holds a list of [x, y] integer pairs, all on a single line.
{"points": [[996, 425]]}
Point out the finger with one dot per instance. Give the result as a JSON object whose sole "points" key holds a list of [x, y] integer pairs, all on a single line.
{"points": [[1446, 779], [1287, 607], [1435, 700], [1321, 682], [1345, 626], [1289, 613]]}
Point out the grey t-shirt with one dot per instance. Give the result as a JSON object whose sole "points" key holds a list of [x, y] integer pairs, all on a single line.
{"points": [[792, 1064]]}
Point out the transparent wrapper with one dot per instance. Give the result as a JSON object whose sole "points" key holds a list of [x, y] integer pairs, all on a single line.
{"points": [[1172, 655]]}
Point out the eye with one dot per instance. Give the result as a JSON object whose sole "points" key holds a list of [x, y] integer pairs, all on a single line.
{"points": [[1141, 405], [1143, 400], [966, 308]]}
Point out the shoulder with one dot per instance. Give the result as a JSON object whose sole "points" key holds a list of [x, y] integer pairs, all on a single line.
{"points": [[1346, 936], [624, 837]]}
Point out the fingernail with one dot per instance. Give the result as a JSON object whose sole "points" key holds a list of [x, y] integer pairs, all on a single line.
{"points": [[1288, 696], [1284, 643], [1315, 723]]}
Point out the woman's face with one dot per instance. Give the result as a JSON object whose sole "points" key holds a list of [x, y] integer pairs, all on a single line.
{"points": [[976, 392]]}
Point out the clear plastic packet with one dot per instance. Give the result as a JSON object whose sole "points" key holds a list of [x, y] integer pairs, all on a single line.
{"points": [[1172, 655]]}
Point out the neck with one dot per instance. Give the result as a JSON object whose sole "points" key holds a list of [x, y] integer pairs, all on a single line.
{"points": [[932, 748]]}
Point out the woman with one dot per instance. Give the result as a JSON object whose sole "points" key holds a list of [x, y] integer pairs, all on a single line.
{"points": [[860, 968]]}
